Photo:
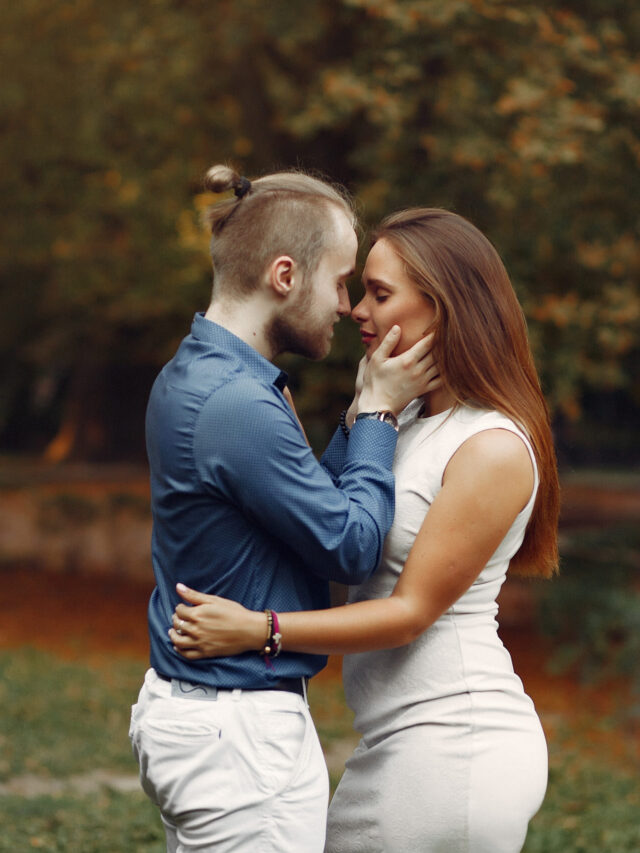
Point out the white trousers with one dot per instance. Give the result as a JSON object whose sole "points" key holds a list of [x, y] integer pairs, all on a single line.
{"points": [[241, 773]]}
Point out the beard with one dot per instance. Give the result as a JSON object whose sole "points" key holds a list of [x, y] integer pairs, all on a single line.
{"points": [[296, 332]]}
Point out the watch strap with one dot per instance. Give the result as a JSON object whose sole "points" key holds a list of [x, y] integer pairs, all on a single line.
{"points": [[385, 417]]}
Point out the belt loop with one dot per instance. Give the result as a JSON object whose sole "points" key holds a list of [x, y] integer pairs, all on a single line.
{"points": [[236, 693], [304, 691]]}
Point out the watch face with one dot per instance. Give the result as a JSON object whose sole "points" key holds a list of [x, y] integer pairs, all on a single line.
{"points": [[385, 417], [389, 418]]}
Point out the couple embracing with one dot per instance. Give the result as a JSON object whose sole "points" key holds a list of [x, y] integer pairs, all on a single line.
{"points": [[439, 477]]}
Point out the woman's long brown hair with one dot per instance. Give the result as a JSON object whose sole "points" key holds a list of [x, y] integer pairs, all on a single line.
{"points": [[482, 348]]}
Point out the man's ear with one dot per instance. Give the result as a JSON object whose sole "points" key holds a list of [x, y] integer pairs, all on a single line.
{"points": [[283, 275]]}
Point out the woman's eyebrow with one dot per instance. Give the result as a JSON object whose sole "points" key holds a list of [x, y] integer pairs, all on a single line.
{"points": [[375, 282]]}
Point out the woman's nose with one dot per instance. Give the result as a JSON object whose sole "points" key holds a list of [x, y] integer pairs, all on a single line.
{"points": [[359, 313]]}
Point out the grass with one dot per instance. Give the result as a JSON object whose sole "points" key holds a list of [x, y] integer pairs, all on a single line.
{"points": [[591, 807], [61, 719], [107, 823]]}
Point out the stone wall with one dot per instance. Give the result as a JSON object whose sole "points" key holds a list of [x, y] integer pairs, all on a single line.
{"points": [[77, 527]]}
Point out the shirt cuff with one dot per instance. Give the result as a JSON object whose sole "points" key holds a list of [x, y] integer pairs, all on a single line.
{"points": [[374, 440]]}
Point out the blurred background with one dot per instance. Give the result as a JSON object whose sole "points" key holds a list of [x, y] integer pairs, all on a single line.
{"points": [[523, 117]]}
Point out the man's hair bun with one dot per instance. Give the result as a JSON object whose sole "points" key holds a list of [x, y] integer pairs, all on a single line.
{"points": [[219, 179]]}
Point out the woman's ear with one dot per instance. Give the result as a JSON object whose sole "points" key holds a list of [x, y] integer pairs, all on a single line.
{"points": [[283, 275]]}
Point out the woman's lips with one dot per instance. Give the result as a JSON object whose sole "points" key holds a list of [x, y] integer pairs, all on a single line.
{"points": [[367, 337]]}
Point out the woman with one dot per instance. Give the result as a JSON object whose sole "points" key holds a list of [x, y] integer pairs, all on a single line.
{"points": [[452, 756]]}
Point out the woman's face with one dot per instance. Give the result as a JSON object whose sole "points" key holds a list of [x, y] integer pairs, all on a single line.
{"points": [[390, 298]]}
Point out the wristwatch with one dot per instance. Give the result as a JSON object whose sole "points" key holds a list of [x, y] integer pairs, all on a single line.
{"points": [[385, 417]]}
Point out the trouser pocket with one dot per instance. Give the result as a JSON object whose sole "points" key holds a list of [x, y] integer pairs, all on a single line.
{"points": [[279, 737], [173, 755]]}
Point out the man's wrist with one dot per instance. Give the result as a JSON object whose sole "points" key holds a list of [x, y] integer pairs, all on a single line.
{"points": [[385, 417], [372, 403]]}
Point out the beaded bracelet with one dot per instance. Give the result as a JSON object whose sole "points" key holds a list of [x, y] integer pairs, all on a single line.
{"points": [[273, 642], [343, 423]]}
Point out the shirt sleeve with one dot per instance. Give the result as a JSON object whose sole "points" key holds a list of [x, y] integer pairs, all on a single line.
{"points": [[249, 449], [334, 457]]}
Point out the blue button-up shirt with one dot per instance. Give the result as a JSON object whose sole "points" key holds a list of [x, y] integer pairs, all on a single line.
{"points": [[241, 507]]}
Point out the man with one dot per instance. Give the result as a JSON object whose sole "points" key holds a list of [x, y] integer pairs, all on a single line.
{"points": [[242, 509]]}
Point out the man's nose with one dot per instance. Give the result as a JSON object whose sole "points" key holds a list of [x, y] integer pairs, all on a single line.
{"points": [[344, 303]]}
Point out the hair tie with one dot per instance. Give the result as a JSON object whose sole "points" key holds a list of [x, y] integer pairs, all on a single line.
{"points": [[244, 185]]}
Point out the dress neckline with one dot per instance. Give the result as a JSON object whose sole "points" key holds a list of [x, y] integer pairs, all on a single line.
{"points": [[410, 415]]}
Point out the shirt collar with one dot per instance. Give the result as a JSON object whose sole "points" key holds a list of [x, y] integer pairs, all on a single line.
{"points": [[210, 332]]}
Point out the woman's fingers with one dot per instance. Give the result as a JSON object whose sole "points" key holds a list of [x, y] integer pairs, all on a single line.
{"points": [[185, 645], [216, 627], [192, 595], [434, 380], [182, 613], [182, 641], [388, 344], [432, 374], [184, 623], [420, 351]]}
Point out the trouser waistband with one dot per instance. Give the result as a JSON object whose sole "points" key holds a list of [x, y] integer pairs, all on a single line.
{"points": [[191, 690]]}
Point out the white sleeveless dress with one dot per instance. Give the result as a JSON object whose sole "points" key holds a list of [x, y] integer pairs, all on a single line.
{"points": [[453, 758]]}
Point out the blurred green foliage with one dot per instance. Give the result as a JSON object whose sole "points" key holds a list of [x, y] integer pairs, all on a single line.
{"points": [[524, 117], [592, 610]]}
